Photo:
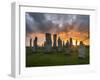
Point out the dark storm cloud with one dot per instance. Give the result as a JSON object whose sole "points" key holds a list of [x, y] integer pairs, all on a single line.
{"points": [[37, 17], [46, 22], [83, 23], [36, 22]]}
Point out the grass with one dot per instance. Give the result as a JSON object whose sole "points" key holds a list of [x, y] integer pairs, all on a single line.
{"points": [[40, 58]]}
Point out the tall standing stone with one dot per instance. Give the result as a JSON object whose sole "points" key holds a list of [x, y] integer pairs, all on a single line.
{"points": [[35, 44], [54, 40], [31, 42], [71, 42], [76, 42], [48, 42], [59, 44], [81, 50], [68, 47], [67, 44]]}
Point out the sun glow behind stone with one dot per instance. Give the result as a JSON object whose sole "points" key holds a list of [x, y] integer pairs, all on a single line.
{"points": [[76, 36]]}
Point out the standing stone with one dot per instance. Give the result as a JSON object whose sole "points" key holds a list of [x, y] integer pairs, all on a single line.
{"points": [[71, 42], [35, 44], [54, 40], [48, 42], [59, 44], [68, 48], [30, 42], [44, 44], [76, 42], [67, 44], [81, 50]]}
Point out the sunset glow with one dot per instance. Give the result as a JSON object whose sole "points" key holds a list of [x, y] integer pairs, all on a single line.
{"points": [[66, 26], [64, 37]]}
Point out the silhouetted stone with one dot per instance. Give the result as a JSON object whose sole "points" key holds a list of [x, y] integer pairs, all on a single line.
{"points": [[48, 42], [59, 44], [81, 50], [54, 43], [76, 42], [71, 43], [67, 43], [68, 48], [35, 44], [30, 42], [54, 40]]}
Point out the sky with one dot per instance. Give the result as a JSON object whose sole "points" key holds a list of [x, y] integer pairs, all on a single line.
{"points": [[65, 25]]}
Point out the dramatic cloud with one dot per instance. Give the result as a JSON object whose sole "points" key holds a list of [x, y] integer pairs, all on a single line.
{"points": [[64, 25], [55, 23]]}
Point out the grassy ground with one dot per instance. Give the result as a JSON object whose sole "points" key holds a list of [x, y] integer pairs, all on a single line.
{"points": [[40, 58]]}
